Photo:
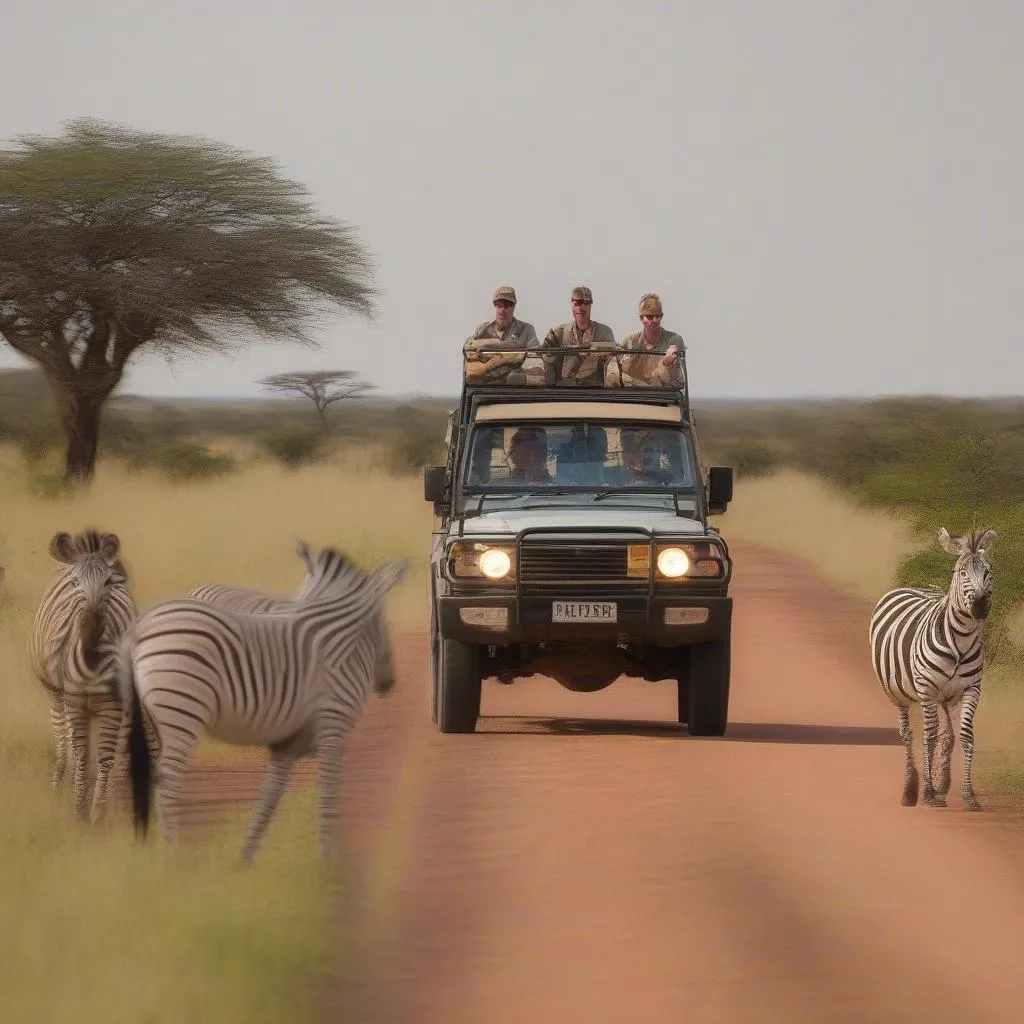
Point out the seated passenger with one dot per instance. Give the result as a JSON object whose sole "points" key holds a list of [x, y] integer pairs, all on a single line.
{"points": [[658, 361], [504, 331], [583, 333], [528, 454], [581, 461], [642, 458]]}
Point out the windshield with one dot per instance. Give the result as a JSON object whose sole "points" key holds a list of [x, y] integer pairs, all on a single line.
{"points": [[578, 454]]}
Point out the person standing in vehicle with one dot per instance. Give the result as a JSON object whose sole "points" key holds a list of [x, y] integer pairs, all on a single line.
{"points": [[583, 333], [653, 356], [489, 367]]}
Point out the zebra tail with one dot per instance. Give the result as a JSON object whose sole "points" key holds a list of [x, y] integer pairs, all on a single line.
{"points": [[139, 768]]}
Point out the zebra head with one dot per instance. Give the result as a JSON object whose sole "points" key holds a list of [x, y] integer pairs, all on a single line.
{"points": [[93, 568], [970, 591], [329, 572]]}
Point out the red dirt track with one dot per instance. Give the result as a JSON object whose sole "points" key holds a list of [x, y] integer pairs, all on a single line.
{"points": [[581, 859]]}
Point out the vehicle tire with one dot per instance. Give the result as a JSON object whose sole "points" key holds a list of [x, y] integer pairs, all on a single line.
{"points": [[709, 688], [458, 683], [435, 662], [683, 684]]}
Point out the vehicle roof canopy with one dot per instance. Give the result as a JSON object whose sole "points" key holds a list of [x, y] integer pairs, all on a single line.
{"points": [[576, 410]]}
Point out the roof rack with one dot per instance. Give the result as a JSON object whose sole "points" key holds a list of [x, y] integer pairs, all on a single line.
{"points": [[536, 380]]}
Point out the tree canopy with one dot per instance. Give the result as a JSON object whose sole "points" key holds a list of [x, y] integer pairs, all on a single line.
{"points": [[322, 387], [113, 239]]}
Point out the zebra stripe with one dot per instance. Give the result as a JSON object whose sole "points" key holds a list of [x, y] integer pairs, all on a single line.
{"points": [[926, 648], [258, 602], [294, 681], [87, 608]]}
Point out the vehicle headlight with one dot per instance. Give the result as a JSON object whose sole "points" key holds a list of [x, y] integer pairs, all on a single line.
{"points": [[481, 561], [495, 563], [685, 561], [673, 562]]}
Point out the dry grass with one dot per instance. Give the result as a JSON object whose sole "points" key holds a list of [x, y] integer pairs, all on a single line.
{"points": [[856, 549], [135, 933]]}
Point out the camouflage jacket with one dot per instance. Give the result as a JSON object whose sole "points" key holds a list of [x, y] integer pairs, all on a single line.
{"points": [[582, 368]]}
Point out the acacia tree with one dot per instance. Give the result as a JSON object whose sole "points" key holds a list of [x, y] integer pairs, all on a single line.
{"points": [[322, 387], [114, 241]]}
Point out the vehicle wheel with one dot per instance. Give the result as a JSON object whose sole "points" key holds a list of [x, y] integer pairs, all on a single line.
{"points": [[709, 688], [683, 683], [458, 683], [435, 663]]}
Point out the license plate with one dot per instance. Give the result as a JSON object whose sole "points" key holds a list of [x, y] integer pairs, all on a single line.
{"points": [[584, 611]]}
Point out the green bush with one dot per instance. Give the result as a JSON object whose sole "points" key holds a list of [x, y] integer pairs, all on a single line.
{"points": [[749, 458], [295, 447], [184, 460], [411, 450]]}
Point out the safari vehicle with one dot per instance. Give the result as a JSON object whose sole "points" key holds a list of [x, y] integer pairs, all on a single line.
{"points": [[586, 557]]}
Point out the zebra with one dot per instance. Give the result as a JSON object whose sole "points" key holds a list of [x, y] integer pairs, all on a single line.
{"points": [[86, 608], [294, 681], [926, 647]]}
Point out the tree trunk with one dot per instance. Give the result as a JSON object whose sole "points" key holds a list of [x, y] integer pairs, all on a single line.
{"points": [[80, 417]]}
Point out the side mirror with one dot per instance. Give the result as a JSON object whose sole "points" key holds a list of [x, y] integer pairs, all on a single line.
{"points": [[719, 489], [434, 483]]}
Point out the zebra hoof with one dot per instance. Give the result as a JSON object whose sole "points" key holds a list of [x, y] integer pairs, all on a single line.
{"points": [[970, 804], [909, 800], [934, 801]]}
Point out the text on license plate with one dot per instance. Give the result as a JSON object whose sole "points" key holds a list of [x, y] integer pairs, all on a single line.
{"points": [[584, 611]]}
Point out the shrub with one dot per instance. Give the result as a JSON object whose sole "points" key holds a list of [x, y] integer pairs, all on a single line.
{"points": [[184, 460], [295, 447]]}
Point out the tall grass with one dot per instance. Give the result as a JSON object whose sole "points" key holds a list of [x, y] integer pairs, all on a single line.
{"points": [[97, 927]]}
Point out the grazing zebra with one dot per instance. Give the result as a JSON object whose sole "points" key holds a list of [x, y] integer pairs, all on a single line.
{"points": [[86, 608], [926, 648], [294, 681]]}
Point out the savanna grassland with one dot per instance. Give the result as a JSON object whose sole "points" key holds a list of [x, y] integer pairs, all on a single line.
{"points": [[217, 492]]}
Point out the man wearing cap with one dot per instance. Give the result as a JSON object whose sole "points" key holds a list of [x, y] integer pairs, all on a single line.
{"points": [[504, 331], [658, 359], [583, 333]]}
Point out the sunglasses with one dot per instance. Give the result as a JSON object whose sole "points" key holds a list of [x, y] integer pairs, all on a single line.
{"points": [[652, 316], [504, 303], [582, 302]]}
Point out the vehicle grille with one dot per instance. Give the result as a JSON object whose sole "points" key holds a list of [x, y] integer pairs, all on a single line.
{"points": [[550, 564]]}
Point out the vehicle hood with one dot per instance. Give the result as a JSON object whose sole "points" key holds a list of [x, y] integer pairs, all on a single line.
{"points": [[512, 521]]}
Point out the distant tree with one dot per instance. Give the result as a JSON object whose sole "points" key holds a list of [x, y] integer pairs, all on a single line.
{"points": [[322, 387], [114, 240]]}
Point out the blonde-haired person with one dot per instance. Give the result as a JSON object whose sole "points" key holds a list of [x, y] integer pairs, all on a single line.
{"points": [[651, 357]]}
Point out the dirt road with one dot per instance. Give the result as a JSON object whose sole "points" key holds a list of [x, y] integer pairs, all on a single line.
{"points": [[580, 859]]}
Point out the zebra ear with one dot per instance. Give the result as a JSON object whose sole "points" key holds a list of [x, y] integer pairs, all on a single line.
{"points": [[62, 547], [110, 545], [389, 575], [302, 550], [949, 544], [988, 538]]}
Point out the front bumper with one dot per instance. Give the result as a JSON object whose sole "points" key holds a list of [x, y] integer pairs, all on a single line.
{"points": [[639, 617]]}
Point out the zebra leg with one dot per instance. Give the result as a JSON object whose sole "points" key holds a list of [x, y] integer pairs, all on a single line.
{"points": [[109, 727], [78, 725], [930, 714], [945, 752], [61, 739], [967, 709], [910, 777], [275, 782], [169, 770], [329, 780]]}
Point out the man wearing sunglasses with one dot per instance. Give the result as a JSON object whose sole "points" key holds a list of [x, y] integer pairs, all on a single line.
{"points": [[583, 333], [655, 356], [489, 367]]}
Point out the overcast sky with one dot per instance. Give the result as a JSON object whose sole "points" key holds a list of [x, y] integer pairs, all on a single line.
{"points": [[827, 196]]}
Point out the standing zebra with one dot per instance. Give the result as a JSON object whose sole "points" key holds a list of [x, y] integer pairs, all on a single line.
{"points": [[926, 648], [86, 608], [293, 681]]}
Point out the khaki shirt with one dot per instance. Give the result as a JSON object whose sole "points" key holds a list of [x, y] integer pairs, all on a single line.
{"points": [[645, 369], [583, 368], [496, 365]]}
